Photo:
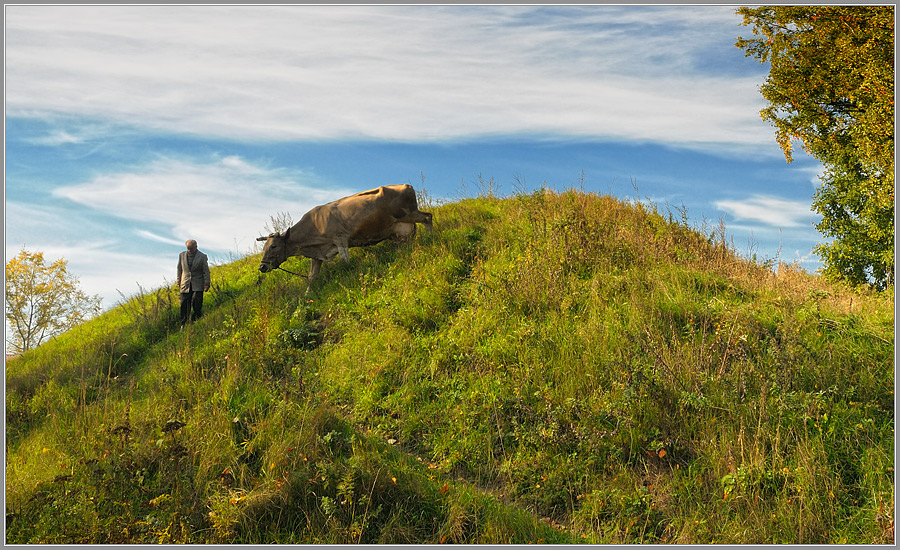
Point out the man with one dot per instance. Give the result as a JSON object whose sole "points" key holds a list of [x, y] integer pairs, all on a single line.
{"points": [[193, 280]]}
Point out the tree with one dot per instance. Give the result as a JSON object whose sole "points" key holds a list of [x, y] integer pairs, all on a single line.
{"points": [[831, 87], [42, 300]]}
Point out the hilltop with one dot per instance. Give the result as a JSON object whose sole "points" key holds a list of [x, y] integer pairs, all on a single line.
{"points": [[549, 367]]}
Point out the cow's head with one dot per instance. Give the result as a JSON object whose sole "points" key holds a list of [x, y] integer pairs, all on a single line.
{"points": [[275, 251]]}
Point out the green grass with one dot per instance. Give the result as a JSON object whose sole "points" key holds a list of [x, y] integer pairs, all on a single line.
{"points": [[542, 368]]}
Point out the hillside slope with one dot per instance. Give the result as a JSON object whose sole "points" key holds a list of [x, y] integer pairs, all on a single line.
{"points": [[543, 368]]}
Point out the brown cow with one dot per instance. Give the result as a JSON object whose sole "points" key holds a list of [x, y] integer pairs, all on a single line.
{"points": [[389, 212]]}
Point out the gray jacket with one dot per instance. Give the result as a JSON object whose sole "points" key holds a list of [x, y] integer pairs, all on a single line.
{"points": [[194, 276]]}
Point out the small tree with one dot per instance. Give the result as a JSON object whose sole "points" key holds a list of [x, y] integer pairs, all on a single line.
{"points": [[831, 87], [42, 300]]}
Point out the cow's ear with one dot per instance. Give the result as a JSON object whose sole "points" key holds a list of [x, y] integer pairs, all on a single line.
{"points": [[286, 233]]}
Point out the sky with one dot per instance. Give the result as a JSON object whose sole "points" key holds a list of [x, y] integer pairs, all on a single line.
{"points": [[129, 129]]}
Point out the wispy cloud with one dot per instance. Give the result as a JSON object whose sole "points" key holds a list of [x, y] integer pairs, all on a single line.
{"points": [[47, 223], [768, 210], [388, 72], [815, 173], [59, 137], [218, 202], [158, 238]]}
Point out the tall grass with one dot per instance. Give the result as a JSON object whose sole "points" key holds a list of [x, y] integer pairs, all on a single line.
{"points": [[550, 367]]}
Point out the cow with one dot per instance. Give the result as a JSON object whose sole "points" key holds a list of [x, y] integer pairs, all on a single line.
{"points": [[363, 219]]}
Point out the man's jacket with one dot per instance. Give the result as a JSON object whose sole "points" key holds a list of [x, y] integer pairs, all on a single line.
{"points": [[194, 276]]}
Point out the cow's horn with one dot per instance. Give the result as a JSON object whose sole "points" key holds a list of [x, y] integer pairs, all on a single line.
{"points": [[262, 238]]}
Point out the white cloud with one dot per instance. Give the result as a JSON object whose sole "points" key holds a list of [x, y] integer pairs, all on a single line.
{"points": [[220, 203], [771, 211], [388, 72], [59, 137], [814, 173], [158, 238], [27, 224]]}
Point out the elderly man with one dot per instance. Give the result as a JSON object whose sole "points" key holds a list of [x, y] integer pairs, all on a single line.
{"points": [[193, 280]]}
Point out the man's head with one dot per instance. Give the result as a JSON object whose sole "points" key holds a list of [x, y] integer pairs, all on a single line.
{"points": [[191, 245]]}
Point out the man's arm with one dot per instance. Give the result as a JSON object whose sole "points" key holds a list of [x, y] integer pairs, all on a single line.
{"points": [[206, 278]]}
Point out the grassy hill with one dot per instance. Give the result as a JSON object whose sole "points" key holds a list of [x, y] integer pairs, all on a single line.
{"points": [[543, 368]]}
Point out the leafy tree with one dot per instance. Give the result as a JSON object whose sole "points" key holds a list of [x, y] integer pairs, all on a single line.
{"points": [[43, 300], [831, 87]]}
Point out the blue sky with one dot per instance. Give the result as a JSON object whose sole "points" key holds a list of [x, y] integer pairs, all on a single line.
{"points": [[130, 129]]}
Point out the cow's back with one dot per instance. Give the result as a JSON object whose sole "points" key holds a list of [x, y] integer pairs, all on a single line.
{"points": [[388, 200], [370, 216]]}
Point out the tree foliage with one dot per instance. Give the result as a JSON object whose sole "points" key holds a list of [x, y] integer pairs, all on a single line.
{"points": [[831, 88], [43, 300]]}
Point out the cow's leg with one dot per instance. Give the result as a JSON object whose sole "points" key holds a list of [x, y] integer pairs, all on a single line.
{"points": [[314, 266], [343, 247]]}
